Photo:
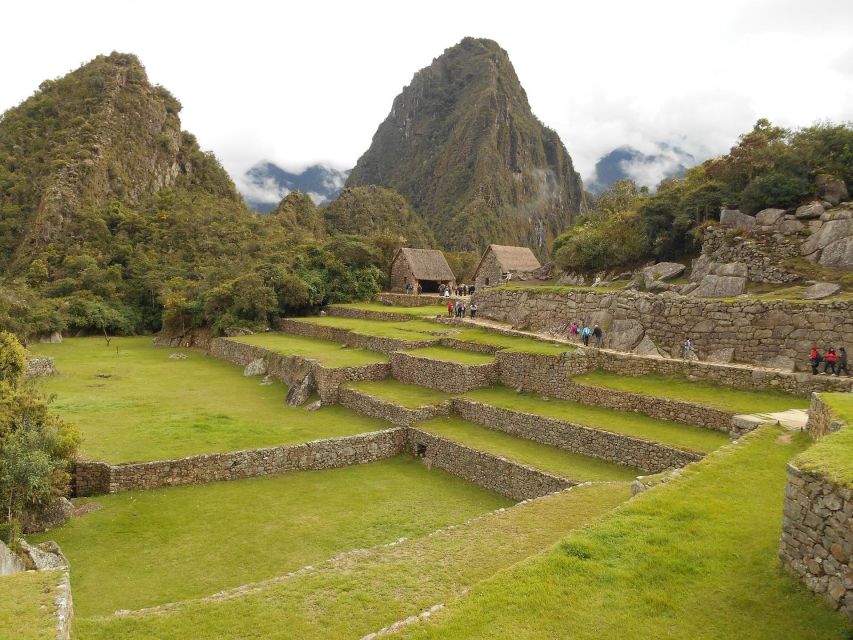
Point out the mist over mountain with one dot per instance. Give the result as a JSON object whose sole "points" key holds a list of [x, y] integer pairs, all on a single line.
{"points": [[265, 184], [646, 169]]}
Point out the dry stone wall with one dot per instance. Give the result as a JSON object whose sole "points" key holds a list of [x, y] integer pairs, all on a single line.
{"points": [[365, 314], [369, 405], [651, 457], [405, 300], [451, 377], [98, 477], [511, 479], [39, 367], [821, 421], [351, 338], [755, 330]]}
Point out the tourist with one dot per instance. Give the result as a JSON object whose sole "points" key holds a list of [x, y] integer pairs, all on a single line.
{"points": [[585, 334], [458, 308], [464, 289], [441, 289], [598, 335], [830, 358], [464, 308], [814, 359], [450, 312], [409, 288], [573, 331], [447, 292], [842, 362], [471, 289], [420, 289], [688, 348], [474, 315]]}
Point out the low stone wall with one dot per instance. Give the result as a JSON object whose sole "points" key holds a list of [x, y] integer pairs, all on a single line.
{"points": [[817, 536], [369, 405], [366, 314], [291, 370], [511, 479], [651, 457], [318, 454], [451, 377], [548, 375], [39, 367], [405, 300], [821, 421], [475, 347], [352, 338]]}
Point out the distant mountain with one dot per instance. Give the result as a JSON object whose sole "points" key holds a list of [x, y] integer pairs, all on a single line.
{"points": [[647, 170], [264, 185], [463, 147]]}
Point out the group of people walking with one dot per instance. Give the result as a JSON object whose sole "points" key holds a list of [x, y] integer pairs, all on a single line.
{"points": [[410, 289], [459, 290], [585, 333], [459, 309], [834, 362]]}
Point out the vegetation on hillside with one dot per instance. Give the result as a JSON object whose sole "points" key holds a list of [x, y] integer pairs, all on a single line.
{"points": [[769, 167]]}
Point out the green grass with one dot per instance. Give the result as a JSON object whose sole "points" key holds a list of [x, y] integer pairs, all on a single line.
{"points": [[359, 595], [632, 424], [452, 355], [417, 312], [541, 456], [405, 395], [832, 455], [150, 547], [703, 393], [693, 558], [27, 611], [330, 354], [512, 343], [399, 329], [152, 407]]}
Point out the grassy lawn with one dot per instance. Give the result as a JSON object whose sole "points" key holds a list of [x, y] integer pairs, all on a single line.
{"points": [[541, 456], [405, 395], [400, 329], [152, 408], [703, 393], [674, 434], [452, 355], [694, 558], [27, 611], [330, 354], [512, 343], [150, 547], [832, 455], [417, 312], [359, 595]]}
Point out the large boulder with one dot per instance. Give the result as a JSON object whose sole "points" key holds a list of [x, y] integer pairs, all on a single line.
{"points": [[701, 267], [769, 217], [812, 210], [53, 514], [647, 348], [298, 394], [831, 244], [624, 335], [46, 555], [722, 356], [10, 562], [831, 189], [663, 271], [257, 367], [50, 338], [735, 219], [713, 286], [737, 269], [780, 362], [821, 290]]}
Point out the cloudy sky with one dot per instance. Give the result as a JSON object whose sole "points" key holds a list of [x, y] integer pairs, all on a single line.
{"points": [[297, 83]]}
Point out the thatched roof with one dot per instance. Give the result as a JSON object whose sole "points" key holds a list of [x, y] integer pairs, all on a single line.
{"points": [[514, 258], [426, 264]]}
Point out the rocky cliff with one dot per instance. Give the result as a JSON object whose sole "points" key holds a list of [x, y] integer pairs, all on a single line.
{"points": [[462, 145]]}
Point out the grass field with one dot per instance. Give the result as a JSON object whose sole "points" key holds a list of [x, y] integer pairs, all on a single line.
{"points": [[541, 456], [832, 455], [149, 547], [354, 597], [512, 343], [151, 407], [418, 312], [632, 424], [452, 355], [27, 611], [401, 330], [330, 354], [405, 395], [704, 393], [694, 558]]}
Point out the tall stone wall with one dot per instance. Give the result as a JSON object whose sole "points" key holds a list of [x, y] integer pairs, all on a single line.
{"points": [[755, 330], [368, 405], [511, 479], [97, 477], [651, 457], [451, 377]]}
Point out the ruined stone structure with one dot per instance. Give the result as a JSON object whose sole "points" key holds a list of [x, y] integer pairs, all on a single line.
{"points": [[40, 366], [426, 268], [499, 260]]}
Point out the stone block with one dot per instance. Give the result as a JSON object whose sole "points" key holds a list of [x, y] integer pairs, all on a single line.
{"points": [[713, 286], [821, 290]]}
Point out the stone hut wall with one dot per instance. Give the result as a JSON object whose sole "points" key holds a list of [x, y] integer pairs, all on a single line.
{"points": [[39, 367], [756, 330], [319, 454], [451, 377], [489, 269], [511, 479], [351, 338], [817, 536], [395, 414], [651, 457], [401, 273]]}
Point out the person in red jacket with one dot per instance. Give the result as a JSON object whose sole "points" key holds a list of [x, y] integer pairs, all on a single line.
{"points": [[814, 359], [450, 311], [830, 359]]}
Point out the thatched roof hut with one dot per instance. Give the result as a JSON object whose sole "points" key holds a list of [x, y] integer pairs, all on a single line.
{"points": [[427, 267], [499, 260]]}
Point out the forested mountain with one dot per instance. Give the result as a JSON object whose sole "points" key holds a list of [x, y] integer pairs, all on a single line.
{"points": [[462, 145]]}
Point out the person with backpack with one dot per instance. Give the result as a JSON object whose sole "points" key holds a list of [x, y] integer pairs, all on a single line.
{"points": [[573, 332], [830, 358], [814, 358], [689, 348], [473, 310], [585, 334], [842, 362], [598, 334]]}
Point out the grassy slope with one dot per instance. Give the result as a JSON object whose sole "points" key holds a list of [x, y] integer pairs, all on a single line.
{"points": [[402, 330], [542, 456], [405, 395], [704, 393], [452, 355], [150, 547], [27, 611], [632, 424], [352, 598], [155, 408], [418, 312], [694, 558], [330, 354], [832, 456], [512, 343]]}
